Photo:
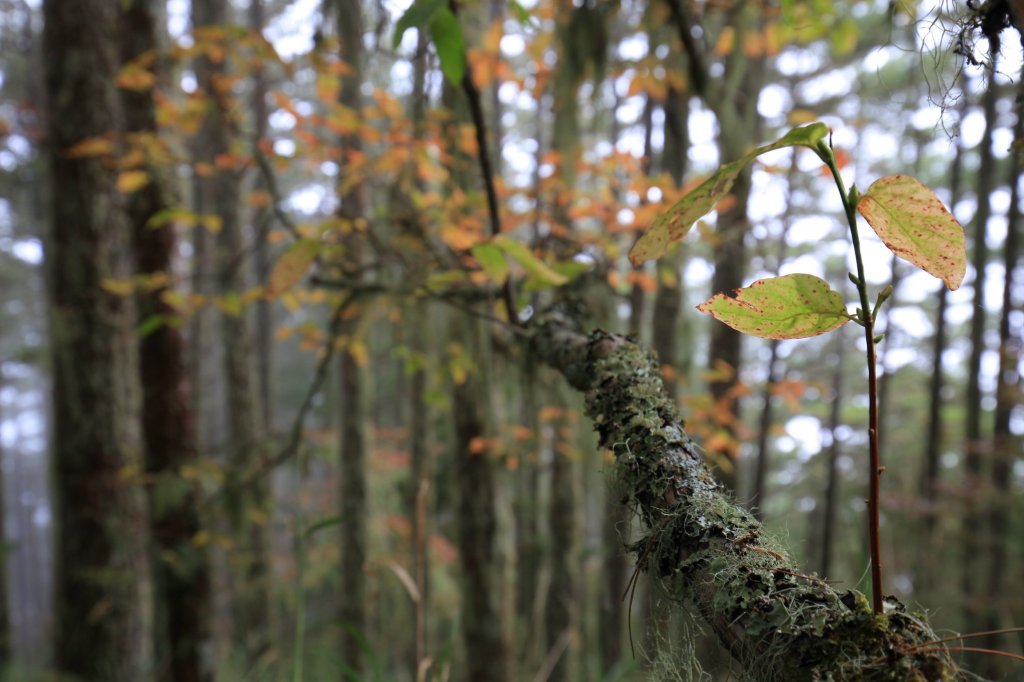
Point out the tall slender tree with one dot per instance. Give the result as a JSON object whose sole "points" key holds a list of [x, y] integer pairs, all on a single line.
{"points": [[352, 454], [974, 442], [247, 504], [103, 587], [1006, 446], [182, 587]]}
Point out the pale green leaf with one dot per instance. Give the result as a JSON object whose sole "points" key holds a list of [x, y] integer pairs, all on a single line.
{"points": [[418, 15], [521, 254], [672, 225], [787, 307], [451, 49], [492, 260], [914, 224]]}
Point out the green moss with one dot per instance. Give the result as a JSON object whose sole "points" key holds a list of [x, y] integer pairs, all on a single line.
{"points": [[714, 555]]}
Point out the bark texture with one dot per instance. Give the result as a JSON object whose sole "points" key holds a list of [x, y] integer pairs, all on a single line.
{"points": [[777, 622], [182, 578], [352, 455], [103, 591], [247, 505], [477, 522]]}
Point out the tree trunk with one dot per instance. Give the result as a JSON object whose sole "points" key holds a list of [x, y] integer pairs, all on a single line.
{"points": [[182, 579], [352, 455], [561, 602], [973, 433], [669, 299], [831, 501], [247, 505], [103, 590], [777, 622], [481, 624], [934, 437], [352, 500], [1006, 446], [261, 251], [5, 626], [739, 130]]}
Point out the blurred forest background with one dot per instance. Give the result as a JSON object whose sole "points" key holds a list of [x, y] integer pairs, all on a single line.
{"points": [[263, 415]]}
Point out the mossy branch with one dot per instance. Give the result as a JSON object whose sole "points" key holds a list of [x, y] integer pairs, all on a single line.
{"points": [[777, 622]]}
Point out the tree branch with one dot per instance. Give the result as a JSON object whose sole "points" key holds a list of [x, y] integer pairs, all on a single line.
{"points": [[777, 622], [477, 112], [697, 66]]}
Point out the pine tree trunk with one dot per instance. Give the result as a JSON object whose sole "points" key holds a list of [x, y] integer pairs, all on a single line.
{"points": [[182, 587], [103, 589]]}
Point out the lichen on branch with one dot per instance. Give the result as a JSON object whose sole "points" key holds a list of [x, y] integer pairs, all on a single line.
{"points": [[777, 622]]}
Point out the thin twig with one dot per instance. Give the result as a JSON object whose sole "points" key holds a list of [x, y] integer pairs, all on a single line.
{"points": [[291, 447], [969, 649], [477, 112]]}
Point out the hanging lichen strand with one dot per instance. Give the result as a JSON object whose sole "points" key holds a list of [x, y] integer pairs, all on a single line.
{"points": [[779, 623]]}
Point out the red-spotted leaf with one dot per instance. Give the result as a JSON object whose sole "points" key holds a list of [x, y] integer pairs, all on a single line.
{"points": [[787, 307], [673, 224], [914, 224]]}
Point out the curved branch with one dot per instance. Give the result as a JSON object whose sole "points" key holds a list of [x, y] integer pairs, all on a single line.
{"points": [[779, 623]]}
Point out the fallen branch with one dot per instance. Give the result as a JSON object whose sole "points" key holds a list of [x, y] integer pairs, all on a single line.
{"points": [[710, 553]]}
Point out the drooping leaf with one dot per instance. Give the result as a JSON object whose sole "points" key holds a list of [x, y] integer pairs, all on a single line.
{"points": [[521, 254], [292, 265], [418, 15], [787, 307], [672, 225], [492, 260], [914, 224], [451, 49]]}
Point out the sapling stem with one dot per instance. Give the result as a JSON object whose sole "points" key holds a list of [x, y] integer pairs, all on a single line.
{"points": [[866, 315]]}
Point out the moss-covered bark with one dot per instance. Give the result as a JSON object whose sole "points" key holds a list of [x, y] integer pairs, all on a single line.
{"points": [[103, 619], [777, 622]]}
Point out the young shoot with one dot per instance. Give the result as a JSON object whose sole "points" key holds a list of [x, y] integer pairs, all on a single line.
{"points": [[905, 214]]}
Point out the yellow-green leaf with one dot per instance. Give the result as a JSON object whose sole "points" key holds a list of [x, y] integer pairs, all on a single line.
{"points": [[492, 260], [672, 225], [521, 254], [914, 224], [292, 266], [787, 307]]}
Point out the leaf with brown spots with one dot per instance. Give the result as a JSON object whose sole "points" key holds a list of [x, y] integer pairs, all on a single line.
{"points": [[673, 224], [914, 224], [787, 307]]}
